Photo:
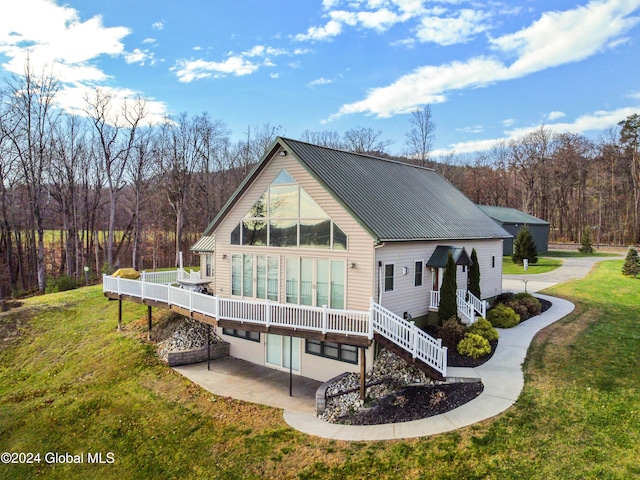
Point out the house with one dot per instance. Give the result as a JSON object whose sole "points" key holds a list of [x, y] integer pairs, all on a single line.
{"points": [[512, 220], [313, 226]]}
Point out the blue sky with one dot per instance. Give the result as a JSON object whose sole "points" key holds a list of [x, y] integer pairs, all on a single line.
{"points": [[490, 70]]}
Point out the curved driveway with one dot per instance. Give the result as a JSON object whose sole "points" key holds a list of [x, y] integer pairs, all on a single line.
{"points": [[572, 268]]}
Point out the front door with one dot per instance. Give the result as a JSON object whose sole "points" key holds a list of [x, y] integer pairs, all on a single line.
{"points": [[283, 352]]}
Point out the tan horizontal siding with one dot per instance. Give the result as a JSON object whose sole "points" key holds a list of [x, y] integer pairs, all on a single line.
{"points": [[359, 286]]}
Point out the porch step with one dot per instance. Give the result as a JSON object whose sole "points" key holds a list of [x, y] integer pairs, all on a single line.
{"points": [[407, 357]]}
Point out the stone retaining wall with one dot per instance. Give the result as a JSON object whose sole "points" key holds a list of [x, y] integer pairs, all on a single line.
{"points": [[198, 355]]}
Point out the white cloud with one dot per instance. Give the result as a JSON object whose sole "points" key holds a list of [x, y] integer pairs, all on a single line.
{"points": [[508, 122], [472, 129], [555, 115], [453, 30], [149, 40], [426, 85], [330, 30], [236, 64], [56, 41], [138, 56], [157, 25], [593, 122], [319, 81], [570, 36], [188, 71], [48, 34], [557, 38]]}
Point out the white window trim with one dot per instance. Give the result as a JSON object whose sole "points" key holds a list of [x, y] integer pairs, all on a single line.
{"points": [[384, 273], [423, 272]]}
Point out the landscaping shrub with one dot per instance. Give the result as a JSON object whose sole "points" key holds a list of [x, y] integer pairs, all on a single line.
{"points": [[451, 332], [502, 316], [524, 247], [524, 304], [60, 284], [474, 345], [631, 266], [484, 328]]}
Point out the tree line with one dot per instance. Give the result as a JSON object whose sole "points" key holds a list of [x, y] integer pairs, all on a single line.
{"points": [[105, 187]]}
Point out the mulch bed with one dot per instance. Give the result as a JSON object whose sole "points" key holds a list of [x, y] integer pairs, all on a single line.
{"points": [[415, 403]]}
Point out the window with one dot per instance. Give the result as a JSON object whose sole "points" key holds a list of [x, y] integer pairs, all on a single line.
{"points": [[315, 282], [286, 216], [336, 351], [255, 276], [417, 278], [208, 262], [493, 261], [234, 332], [389, 277]]}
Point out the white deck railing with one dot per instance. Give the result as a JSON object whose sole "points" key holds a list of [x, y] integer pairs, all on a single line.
{"points": [[468, 304], [406, 335], [320, 319]]}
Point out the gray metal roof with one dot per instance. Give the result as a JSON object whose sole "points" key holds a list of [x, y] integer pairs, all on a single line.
{"points": [[441, 255], [393, 201], [511, 215]]}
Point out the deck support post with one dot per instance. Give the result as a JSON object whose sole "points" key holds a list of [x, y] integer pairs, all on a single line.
{"points": [[291, 366], [119, 313], [208, 346], [149, 322], [363, 372]]}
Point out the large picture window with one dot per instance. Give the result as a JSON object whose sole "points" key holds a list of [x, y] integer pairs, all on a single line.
{"points": [[287, 216]]}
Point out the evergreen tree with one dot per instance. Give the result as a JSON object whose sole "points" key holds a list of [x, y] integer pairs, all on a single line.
{"points": [[524, 247], [585, 241], [448, 292], [631, 267], [474, 275]]}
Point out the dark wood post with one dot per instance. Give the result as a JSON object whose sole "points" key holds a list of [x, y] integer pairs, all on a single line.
{"points": [[149, 322], [291, 366], [363, 372], [208, 346], [119, 314]]}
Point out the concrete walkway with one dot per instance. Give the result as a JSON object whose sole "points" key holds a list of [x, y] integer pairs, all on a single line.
{"points": [[242, 380], [502, 377]]}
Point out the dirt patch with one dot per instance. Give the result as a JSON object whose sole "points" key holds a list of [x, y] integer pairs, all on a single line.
{"points": [[13, 322]]}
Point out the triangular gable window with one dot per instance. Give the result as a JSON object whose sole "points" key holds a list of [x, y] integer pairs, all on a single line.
{"points": [[283, 177], [286, 216]]}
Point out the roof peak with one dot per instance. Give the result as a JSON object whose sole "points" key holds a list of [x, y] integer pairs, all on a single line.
{"points": [[360, 154]]}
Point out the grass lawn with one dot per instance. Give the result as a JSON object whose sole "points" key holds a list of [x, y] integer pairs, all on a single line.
{"points": [[71, 384], [544, 265]]}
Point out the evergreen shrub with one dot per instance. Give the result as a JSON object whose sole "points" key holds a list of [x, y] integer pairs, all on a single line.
{"points": [[483, 327], [474, 345], [502, 316], [451, 332]]}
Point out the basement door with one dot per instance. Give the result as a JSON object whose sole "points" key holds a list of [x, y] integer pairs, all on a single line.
{"points": [[280, 350]]}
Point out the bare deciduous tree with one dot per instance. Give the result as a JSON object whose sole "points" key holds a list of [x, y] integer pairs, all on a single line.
{"points": [[365, 140], [419, 140], [29, 122]]}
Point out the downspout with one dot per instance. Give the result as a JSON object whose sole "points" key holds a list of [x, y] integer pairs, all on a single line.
{"points": [[380, 273]]}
